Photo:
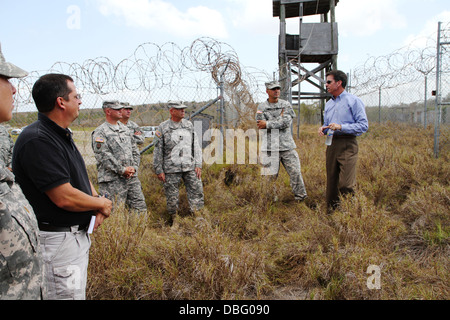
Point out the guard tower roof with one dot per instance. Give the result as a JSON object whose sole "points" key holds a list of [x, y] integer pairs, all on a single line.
{"points": [[310, 7]]}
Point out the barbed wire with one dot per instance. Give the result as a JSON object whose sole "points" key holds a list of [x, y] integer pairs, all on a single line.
{"points": [[152, 67], [200, 68], [403, 66]]}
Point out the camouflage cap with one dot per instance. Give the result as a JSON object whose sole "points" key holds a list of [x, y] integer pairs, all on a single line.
{"points": [[9, 70], [126, 105], [176, 104], [272, 85], [112, 104]]}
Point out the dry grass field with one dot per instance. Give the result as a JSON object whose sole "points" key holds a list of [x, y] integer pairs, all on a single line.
{"points": [[243, 245]]}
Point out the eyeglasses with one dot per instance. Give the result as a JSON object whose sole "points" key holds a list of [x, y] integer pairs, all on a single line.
{"points": [[67, 98], [329, 82]]}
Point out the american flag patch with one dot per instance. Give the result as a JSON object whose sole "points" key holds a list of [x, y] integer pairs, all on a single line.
{"points": [[158, 134], [259, 111], [99, 140]]}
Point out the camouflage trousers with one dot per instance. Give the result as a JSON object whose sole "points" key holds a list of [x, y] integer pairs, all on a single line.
{"points": [[194, 190], [125, 190], [270, 161]]}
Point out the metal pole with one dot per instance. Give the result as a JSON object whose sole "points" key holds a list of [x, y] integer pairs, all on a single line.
{"points": [[425, 103], [204, 107], [322, 100], [222, 98], [438, 93], [349, 81], [299, 61], [332, 21], [221, 104], [299, 105], [282, 58], [379, 105]]}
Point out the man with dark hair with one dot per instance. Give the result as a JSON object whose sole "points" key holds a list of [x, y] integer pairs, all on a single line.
{"points": [[346, 116], [48, 88], [53, 177], [338, 75], [21, 267]]}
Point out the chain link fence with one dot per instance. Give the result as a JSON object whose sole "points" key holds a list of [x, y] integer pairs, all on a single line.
{"points": [[403, 86], [208, 77]]}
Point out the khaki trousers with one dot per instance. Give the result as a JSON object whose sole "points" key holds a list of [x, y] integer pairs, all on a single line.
{"points": [[341, 159], [66, 258]]}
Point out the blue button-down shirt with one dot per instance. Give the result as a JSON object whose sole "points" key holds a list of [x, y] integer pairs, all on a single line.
{"points": [[347, 110]]}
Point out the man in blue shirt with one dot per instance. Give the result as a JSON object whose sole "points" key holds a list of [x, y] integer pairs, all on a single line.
{"points": [[346, 115]]}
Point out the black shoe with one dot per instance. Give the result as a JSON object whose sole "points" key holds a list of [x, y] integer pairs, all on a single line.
{"points": [[170, 220]]}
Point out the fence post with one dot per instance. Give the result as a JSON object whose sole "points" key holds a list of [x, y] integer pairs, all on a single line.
{"points": [[425, 103], [222, 97], [438, 94], [221, 103], [379, 105]]}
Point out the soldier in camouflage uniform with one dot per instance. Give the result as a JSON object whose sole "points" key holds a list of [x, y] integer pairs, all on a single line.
{"points": [[133, 126], [6, 147], [276, 116], [21, 264], [177, 157], [118, 159]]}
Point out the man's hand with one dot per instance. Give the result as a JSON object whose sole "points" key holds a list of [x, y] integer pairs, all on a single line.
{"points": [[262, 124], [321, 130], [129, 172], [198, 172], [99, 218], [335, 126], [106, 207], [162, 177]]}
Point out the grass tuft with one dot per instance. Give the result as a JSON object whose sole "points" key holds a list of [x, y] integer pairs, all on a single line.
{"points": [[246, 245]]}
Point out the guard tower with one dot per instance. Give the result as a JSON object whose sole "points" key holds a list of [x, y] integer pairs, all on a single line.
{"points": [[306, 57]]}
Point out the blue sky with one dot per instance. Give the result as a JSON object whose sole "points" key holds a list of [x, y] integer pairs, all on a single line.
{"points": [[36, 34]]}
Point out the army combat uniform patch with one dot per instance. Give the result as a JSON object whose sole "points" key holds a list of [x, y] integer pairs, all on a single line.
{"points": [[99, 142]]}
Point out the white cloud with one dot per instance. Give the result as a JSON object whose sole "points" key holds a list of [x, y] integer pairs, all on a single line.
{"points": [[364, 18], [255, 16], [165, 17], [354, 17], [428, 36]]}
